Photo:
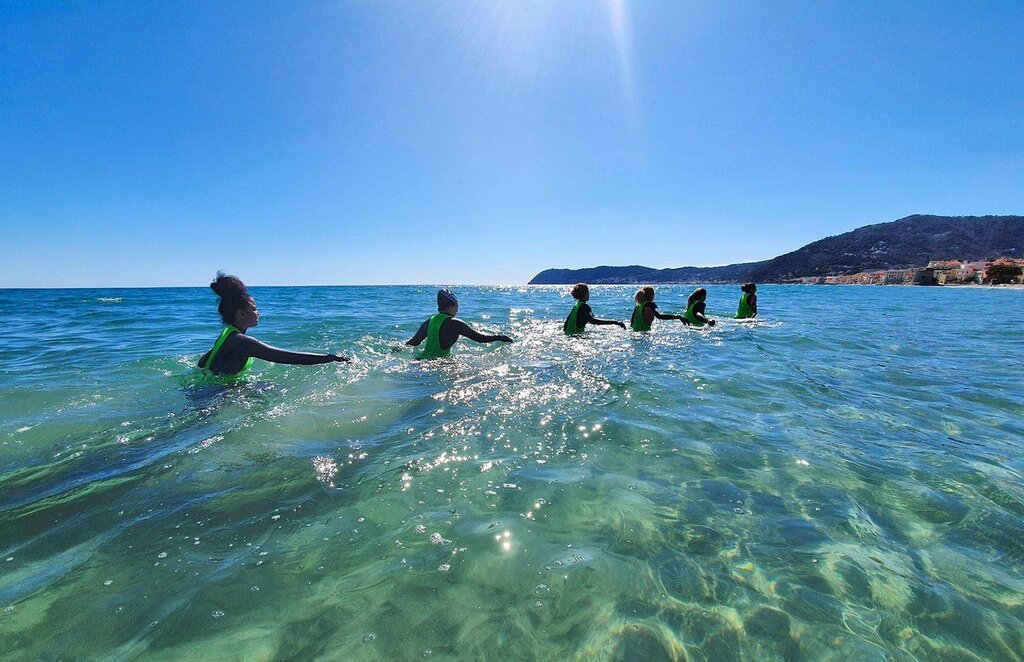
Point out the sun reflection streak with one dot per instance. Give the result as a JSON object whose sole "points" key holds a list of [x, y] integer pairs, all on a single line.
{"points": [[622, 37]]}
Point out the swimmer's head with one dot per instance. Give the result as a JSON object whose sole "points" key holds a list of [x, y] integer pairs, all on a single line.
{"points": [[447, 302], [644, 294], [749, 288], [699, 294], [236, 306], [581, 291]]}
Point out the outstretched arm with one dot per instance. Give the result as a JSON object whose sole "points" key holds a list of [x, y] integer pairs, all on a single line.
{"points": [[420, 336], [464, 330], [590, 319], [752, 300], [698, 312], [666, 316], [653, 308], [261, 350]]}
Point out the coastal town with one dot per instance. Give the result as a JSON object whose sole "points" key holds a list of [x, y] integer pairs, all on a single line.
{"points": [[1001, 271]]}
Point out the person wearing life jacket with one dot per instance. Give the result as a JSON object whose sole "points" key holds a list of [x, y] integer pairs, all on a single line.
{"points": [[695, 308], [645, 310], [233, 352], [581, 315], [748, 302], [442, 330]]}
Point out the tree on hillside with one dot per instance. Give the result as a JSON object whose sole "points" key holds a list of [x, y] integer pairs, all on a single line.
{"points": [[1004, 273]]}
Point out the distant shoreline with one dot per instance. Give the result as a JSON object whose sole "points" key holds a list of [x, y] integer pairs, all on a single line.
{"points": [[1010, 286], [956, 286], [860, 254]]}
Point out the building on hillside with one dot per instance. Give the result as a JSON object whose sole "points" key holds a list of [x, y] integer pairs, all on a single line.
{"points": [[945, 270], [897, 276], [943, 265], [1009, 261], [924, 276], [973, 272]]}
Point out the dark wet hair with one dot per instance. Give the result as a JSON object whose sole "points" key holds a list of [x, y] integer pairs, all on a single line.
{"points": [[233, 295], [580, 290], [445, 299], [749, 288], [699, 294]]}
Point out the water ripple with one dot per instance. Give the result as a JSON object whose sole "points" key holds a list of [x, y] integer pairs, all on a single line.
{"points": [[840, 480]]}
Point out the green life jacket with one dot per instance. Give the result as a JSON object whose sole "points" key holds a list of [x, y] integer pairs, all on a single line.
{"points": [[432, 350], [216, 350], [570, 328], [745, 311], [690, 316], [637, 321]]}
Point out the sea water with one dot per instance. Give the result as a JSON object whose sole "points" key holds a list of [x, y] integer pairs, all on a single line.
{"points": [[841, 479]]}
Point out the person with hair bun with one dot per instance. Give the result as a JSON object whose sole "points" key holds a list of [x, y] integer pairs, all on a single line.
{"points": [[232, 354], [646, 310], [581, 314], [748, 302]]}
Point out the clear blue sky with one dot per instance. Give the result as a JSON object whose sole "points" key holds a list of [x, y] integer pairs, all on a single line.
{"points": [[152, 143]]}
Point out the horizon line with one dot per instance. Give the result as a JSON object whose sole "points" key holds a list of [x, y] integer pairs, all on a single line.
{"points": [[439, 284]]}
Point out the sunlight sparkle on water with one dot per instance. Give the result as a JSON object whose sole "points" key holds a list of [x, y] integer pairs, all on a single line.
{"points": [[657, 504]]}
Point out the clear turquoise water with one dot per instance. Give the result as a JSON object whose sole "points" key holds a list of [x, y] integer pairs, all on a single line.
{"points": [[840, 480]]}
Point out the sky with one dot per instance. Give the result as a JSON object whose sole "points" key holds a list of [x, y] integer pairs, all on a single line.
{"points": [[377, 142]]}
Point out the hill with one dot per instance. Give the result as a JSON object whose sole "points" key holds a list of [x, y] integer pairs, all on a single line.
{"points": [[907, 242], [635, 274]]}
